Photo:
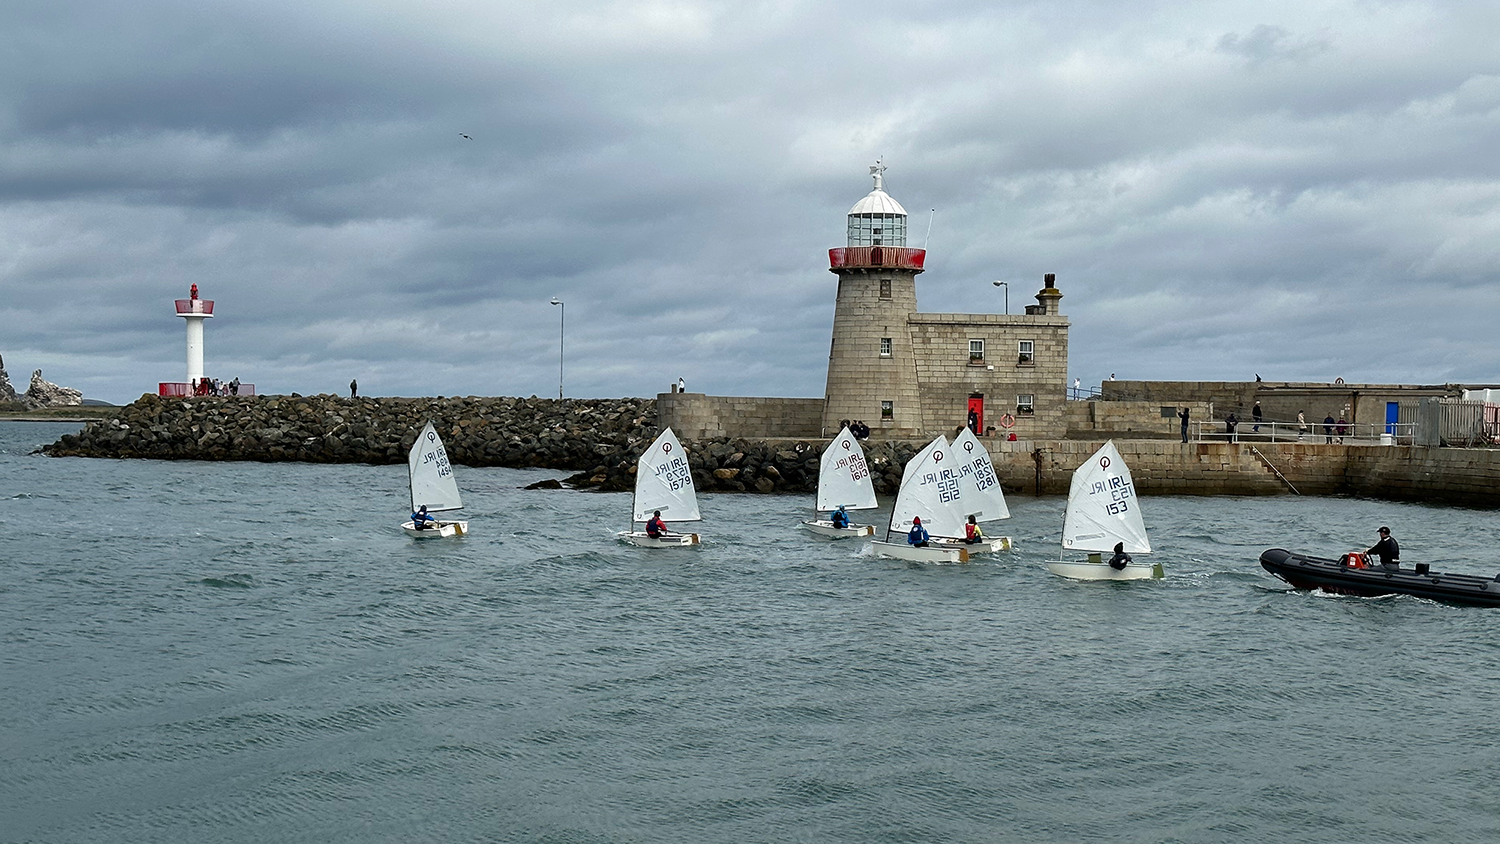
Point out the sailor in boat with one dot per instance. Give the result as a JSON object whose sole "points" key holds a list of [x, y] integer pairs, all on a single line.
{"points": [[1387, 550], [840, 518], [972, 533], [1121, 559], [655, 527], [917, 537], [422, 520]]}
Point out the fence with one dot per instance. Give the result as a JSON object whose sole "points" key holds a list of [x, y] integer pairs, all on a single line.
{"points": [[1347, 433]]}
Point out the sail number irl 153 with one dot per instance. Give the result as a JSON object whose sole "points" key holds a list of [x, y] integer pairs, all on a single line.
{"points": [[1118, 490]]}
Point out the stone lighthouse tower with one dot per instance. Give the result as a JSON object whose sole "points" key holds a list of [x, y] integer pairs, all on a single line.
{"points": [[872, 367]]}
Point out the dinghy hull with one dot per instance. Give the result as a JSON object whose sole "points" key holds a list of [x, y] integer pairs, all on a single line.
{"points": [[641, 539], [823, 527], [1104, 571], [930, 554], [441, 531], [990, 545]]}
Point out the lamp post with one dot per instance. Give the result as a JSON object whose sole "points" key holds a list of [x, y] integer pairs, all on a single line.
{"points": [[1007, 295], [562, 321]]}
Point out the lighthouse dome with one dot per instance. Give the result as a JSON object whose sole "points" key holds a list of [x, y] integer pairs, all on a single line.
{"points": [[877, 220]]}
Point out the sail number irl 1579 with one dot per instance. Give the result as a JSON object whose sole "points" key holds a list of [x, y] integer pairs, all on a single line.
{"points": [[675, 473]]}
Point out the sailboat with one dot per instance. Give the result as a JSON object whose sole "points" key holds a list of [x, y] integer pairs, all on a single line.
{"points": [[434, 485], [928, 484], [843, 481], [663, 483], [1103, 510], [980, 494]]}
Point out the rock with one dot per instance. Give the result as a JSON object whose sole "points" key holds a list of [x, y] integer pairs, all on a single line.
{"points": [[726, 474], [550, 483], [7, 392], [47, 394]]}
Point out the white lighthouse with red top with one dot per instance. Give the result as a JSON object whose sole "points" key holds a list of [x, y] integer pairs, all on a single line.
{"points": [[195, 311]]}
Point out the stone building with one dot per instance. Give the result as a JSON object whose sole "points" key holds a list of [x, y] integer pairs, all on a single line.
{"points": [[910, 374]]}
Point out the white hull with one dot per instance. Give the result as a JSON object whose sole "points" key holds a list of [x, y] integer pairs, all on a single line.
{"points": [[671, 540], [442, 529], [1103, 571], [930, 554], [989, 545], [823, 527]]}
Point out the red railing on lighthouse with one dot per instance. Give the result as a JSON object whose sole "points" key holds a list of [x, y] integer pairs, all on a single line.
{"points": [[195, 306], [871, 257]]}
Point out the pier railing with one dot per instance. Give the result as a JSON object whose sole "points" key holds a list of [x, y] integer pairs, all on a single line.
{"points": [[1347, 433], [184, 389]]}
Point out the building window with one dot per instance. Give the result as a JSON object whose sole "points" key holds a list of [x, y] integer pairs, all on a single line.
{"points": [[976, 351], [1025, 404], [887, 410], [885, 347], [1025, 352], [885, 288]]}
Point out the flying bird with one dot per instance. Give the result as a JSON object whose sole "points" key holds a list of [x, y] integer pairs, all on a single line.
{"points": [[465, 137]]}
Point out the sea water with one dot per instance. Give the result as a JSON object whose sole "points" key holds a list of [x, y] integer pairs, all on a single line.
{"points": [[248, 652]]}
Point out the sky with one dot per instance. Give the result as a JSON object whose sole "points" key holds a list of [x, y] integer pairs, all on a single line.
{"points": [[394, 192]]}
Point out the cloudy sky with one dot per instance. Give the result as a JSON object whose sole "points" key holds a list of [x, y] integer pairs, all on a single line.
{"points": [[1304, 190]]}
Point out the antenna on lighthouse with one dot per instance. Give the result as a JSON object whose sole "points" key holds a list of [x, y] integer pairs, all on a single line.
{"points": [[929, 229]]}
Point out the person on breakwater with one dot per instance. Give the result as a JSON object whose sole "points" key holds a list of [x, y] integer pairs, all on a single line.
{"points": [[1387, 550], [918, 535], [421, 519], [353, 388], [655, 527], [1121, 559], [1184, 417]]}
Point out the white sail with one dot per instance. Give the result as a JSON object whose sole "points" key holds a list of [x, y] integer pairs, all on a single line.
{"points": [[432, 479], [982, 497], [930, 489], [844, 476], [1103, 508], [664, 481]]}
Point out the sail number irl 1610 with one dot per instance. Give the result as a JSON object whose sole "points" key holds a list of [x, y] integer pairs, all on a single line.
{"points": [[1118, 490]]}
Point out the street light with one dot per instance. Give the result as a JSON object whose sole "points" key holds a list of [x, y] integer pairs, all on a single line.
{"points": [[562, 321], [1007, 294]]}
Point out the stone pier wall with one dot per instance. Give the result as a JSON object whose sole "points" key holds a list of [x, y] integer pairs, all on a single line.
{"points": [[600, 439], [699, 416]]}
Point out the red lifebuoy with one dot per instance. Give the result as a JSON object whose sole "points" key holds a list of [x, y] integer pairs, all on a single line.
{"points": [[1007, 421]]}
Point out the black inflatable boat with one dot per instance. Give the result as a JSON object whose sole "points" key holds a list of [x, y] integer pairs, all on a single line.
{"points": [[1353, 574]]}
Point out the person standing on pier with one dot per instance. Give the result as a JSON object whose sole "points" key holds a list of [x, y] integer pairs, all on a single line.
{"points": [[353, 388], [1184, 417], [1328, 429], [1256, 415]]}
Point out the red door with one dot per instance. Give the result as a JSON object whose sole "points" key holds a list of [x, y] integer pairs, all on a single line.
{"points": [[976, 414]]}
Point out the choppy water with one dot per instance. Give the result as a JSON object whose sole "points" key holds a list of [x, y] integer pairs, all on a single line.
{"points": [[196, 652]]}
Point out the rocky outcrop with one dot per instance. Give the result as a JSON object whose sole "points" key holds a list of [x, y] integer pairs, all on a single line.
{"points": [[47, 394], [7, 392]]}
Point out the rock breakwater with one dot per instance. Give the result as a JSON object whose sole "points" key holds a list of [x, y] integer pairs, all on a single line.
{"points": [[597, 439]]}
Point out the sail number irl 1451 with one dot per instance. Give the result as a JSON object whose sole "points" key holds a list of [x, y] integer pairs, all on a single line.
{"points": [[1119, 493]]}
